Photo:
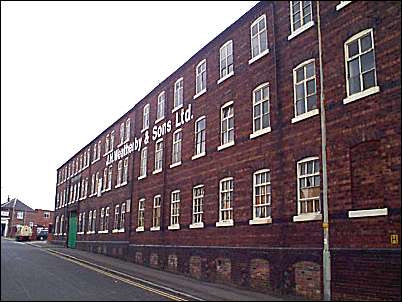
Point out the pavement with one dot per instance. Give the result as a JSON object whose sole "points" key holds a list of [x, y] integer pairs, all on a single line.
{"points": [[183, 286]]}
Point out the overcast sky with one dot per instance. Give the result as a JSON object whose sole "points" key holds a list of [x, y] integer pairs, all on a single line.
{"points": [[70, 69]]}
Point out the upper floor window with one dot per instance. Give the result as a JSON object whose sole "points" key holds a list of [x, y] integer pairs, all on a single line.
{"points": [[261, 112], [125, 171], [141, 213], [361, 78], [107, 144], [160, 113], [262, 195], [99, 150], [109, 180], [116, 217], [198, 201], [175, 210], [20, 215], [225, 202], [301, 14], [119, 172], [122, 127], [145, 117], [158, 155], [308, 186], [227, 124], [259, 43], [201, 77], [79, 222], [178, 94], [226, 59], [143, 162], [176, 152], [111, 145], [156, 212], [305, 98], [199, 138], [128, 127]]}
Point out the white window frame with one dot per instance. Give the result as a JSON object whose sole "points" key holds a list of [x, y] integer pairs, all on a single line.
{"points": [[160, 112], [200, 78], [265, 130], [145, 117], [158, 163], [178, 99], [102, 221], [116, 220], [176, 148], [119, 173], [128, 128], [156, 213], [260, 54], [225, 222], [107, 144], [122, 221], [268, 218], [198, 208], [174, 210], [369, 91], [122, 134], [99, 150], [89, 222], [228, 74], [342, 4], [106, 223], [20, 215], [310, 215], [125, 171], [313, 112], [143, 163], [93, 221], [109, 178], [141, 215], [226, 120], [304, 26], [196, 134]]}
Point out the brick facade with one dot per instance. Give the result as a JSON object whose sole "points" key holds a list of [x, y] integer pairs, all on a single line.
{"points": [[283, 255]]}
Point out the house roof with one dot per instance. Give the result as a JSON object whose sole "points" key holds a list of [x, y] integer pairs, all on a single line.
{"points": [[17, 205]]}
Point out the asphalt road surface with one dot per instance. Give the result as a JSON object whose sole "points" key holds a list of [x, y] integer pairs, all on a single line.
{"points": [[29, 273]]}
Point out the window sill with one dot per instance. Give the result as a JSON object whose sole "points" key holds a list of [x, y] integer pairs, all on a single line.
{"points": [[158, 228], [362, 94], [175, 164], [142, 177], [300, 30], [174, 227], [198, 225], [199, 93], [260, 132], [342, 4], [224, 223], [144, 129], [115, 231], [305, 115], [139, 229], [120, 230], [177, 108], [159, 119], [307, 217], [157, 171], [259, 56], [107, 153], [198, 155], [103, 232], [90, 232], [225, 77], [368, 213], [227, 145], [260, 221], [80, 233]]}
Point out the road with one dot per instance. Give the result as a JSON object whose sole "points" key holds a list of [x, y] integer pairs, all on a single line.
{"points": [[29, 273]]}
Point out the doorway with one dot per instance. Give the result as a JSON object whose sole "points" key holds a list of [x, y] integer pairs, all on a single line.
{"points": [[72, 231]]}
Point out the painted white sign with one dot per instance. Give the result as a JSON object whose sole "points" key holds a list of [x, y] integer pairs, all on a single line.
{"points": [[120, 153], [5, 213]]}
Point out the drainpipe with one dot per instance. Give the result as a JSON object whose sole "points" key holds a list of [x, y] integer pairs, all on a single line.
{"points": [[326, 257]]}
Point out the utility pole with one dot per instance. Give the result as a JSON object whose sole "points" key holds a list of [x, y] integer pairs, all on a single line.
{"points": [[326, 257]]}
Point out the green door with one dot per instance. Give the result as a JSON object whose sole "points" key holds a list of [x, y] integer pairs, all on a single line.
{"points": [[72, 230]]}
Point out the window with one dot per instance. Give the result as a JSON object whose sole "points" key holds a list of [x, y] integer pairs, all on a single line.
{"points": [[128, 126], [106, 219], [122, 133], [86, 188], [201, 78], [125, 171], [305, 98], [107, 144], [83, 222], [160, 113], [145, 117], [156, 213], [178, 94], [119, 172], [99, 150], [141, 214], [227, 124], [111, 146], [143, 163], [94, 221], [361, 79], [93, 188], [56, 224], [158, 155], [61, 225], [105, 173], [109, 180], [102, 221], [261, 118], [176, 152], [79, 223], [308, 188], [122, 216], [175, 210], [301, 15], [225, 202], [89, 222], [20, 215], [198, 200], [199, 139], [98, 183], [259, 44], [226, 60], [46, 215], [261, 197], [80, 163], [88, 155], [116, 217]]}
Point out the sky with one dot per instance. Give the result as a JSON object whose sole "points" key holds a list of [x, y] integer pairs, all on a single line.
{"points": [[71, 69]]}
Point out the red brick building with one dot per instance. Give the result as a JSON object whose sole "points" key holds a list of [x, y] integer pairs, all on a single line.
{"points": [[217, 172]]}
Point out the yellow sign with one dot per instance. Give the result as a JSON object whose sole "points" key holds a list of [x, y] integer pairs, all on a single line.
{"points": [[394, 238]]}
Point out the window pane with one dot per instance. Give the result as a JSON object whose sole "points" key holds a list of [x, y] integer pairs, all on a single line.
{"points": [[265, 121], [367, 61], [254, 30], [310, 70], [354, 85], [353, 48], [310, 87], [299, 75], [365, 42], [311, 102], [300, 107], [353, 67], [257, 110], [258, 95], [368, 80], [263, 41], [265, 107], [296, 6], [300, 92], [261, 24]]}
